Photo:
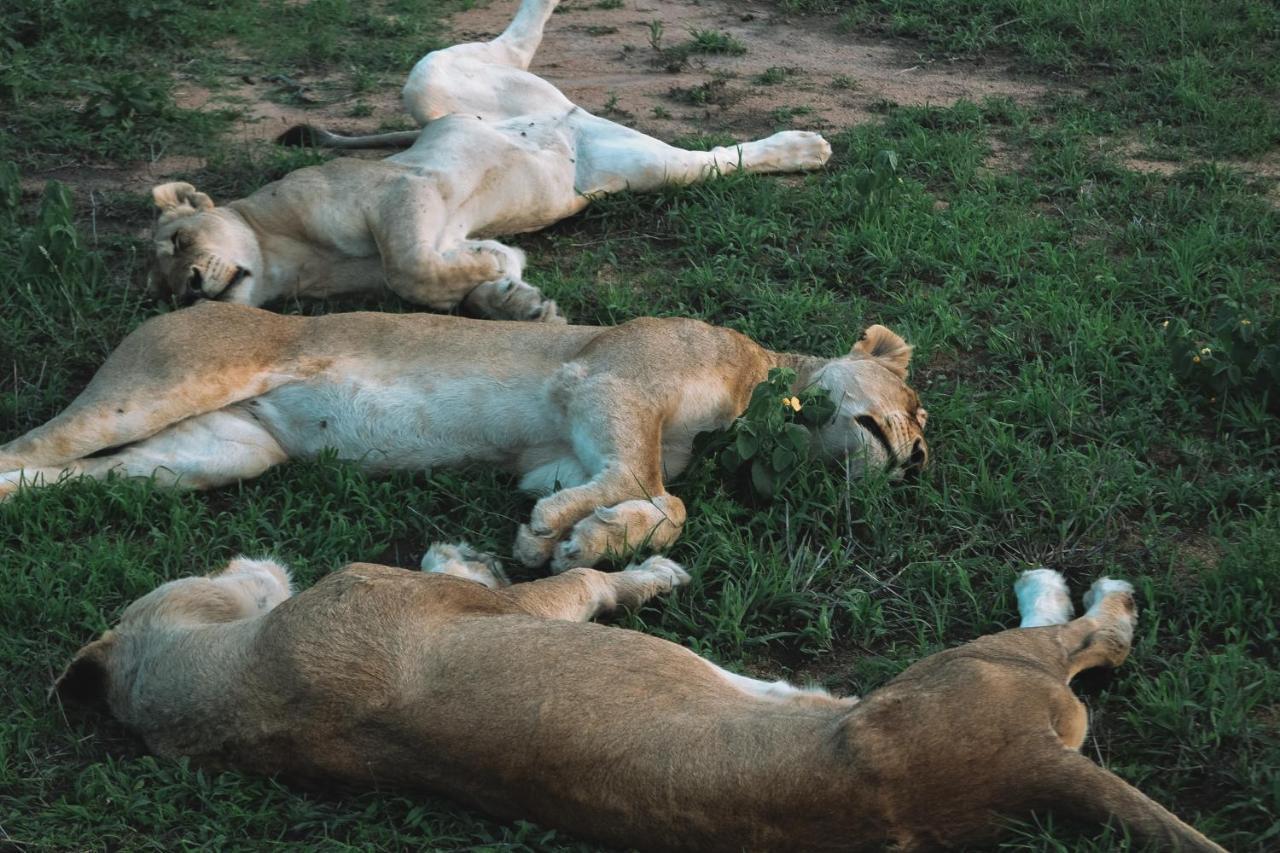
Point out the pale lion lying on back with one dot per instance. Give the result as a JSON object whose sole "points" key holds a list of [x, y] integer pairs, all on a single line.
{"points": [[501, 152], [599, 417]]}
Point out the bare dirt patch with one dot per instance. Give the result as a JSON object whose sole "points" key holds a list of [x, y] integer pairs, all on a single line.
{"points": [[268, 106], [796, 72], [1135, 157]]}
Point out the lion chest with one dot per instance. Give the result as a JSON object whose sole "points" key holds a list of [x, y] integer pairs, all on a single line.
{"points": [[704, 404], [405, 422]]}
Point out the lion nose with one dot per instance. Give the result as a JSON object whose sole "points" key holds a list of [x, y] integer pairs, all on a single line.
{"points": [[915, 462], [194, 290]]}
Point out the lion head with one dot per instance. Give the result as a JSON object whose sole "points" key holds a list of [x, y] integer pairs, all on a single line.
{"points": [[878, 422], [108, 666], [201, 251]]}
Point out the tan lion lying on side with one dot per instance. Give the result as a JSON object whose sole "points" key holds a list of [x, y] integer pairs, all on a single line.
{"points": [[599, 417], [510, 700], [501, 152]]}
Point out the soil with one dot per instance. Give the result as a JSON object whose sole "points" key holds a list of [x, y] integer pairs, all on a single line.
{"points": [[604, 59]]}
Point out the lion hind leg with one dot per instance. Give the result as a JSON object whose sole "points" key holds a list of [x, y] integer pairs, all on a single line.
{"points": [[198, 453], [612, 158], [170, 368], [486, 79], [521, 38], [120, 412]]}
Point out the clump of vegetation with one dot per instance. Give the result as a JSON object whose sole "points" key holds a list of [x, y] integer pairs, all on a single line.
{"points": [[1236, 360], [119, 101], [712, 42], [875, 185], [51, 246], [773, 437], [1202, 75], [711, 93], [775, 74], [715, 42], [785, 115]]}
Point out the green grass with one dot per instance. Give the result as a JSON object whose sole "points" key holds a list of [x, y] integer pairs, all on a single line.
{"points": [[1196, 76], [121, 56], [1035, 293]]}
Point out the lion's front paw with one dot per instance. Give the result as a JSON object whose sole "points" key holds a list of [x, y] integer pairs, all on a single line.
{"points": [[667, 573], [463, 561], [520, 300], [547, 312], [531, 549], [512, 299], [619, 529], [580, 551]]}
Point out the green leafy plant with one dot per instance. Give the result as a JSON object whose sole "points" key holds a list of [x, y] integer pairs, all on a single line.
{"points": [[52, 246], [773, 436], [655, 35], [711, 93], [715, 41], [1238, 356], [775, 74], [10, 191], [877, 184], [119, 100]]}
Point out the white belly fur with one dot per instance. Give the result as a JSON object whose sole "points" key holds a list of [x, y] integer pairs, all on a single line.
{"points": [[417, 423], [412, 423]]}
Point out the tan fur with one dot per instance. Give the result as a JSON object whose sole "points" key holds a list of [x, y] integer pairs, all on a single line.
{"points": [[501, 152], [507, 699], [599, 417]]}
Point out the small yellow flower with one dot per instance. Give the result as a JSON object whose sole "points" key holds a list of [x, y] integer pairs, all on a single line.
{"points": [[1246, 323], [1165, 324], [1195, 359], [793, 402], [1206, 351]]}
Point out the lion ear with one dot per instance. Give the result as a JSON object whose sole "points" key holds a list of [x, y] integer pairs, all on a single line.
{"points": [[886, 347], [170, 198], [84, 681]]}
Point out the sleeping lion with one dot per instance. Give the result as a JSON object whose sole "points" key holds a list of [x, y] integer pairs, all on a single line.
{"points": [[501, 152], [594, 418]]}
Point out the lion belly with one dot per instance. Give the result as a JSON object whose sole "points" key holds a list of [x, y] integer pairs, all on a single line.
{"points": [[409, 423], [499, 178]]}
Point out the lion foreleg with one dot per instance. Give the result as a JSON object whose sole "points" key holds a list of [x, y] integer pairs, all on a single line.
{"points": [[624, 444], [511, 299], [582, 594], [653, 523]]}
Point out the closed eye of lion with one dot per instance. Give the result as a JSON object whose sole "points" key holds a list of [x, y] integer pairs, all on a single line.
{"points": [[501, 152], [597, 419], [373, 678]]}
